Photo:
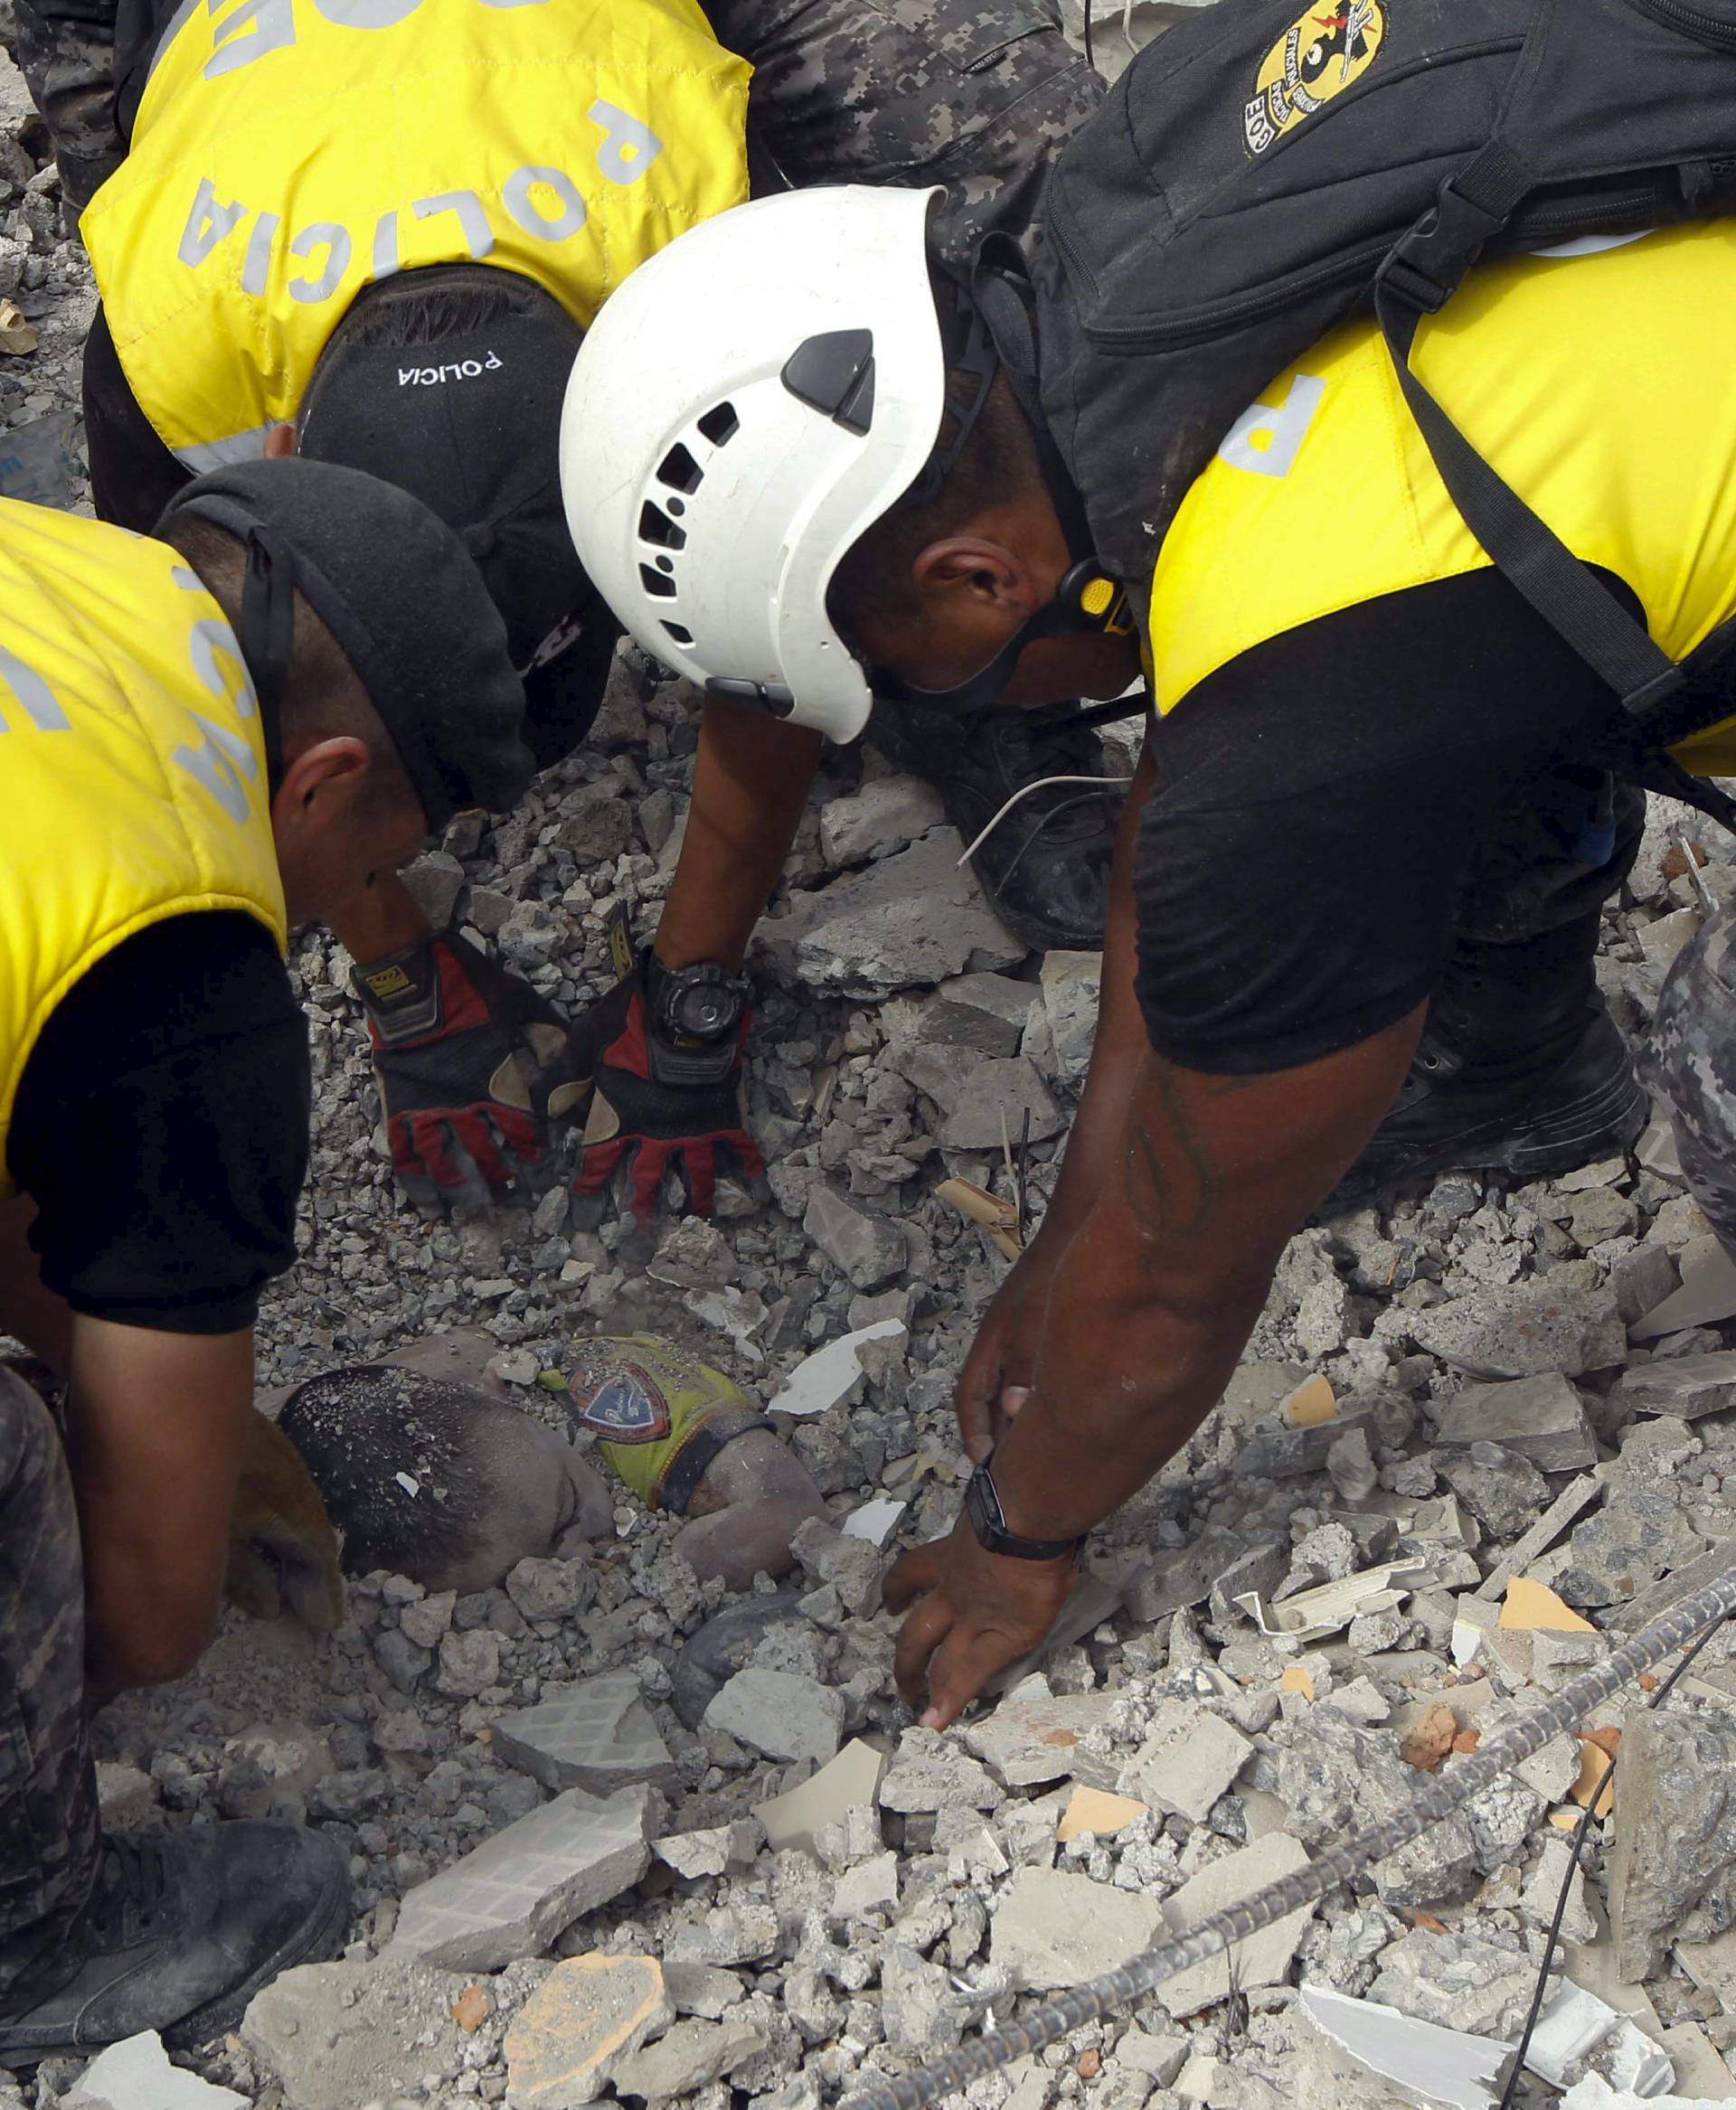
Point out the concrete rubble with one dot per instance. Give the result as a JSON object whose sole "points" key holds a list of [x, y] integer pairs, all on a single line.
{"points": [[618, 1833]]}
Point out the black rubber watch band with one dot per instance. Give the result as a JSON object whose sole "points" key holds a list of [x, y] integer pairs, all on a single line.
{"points": [[989, 1521]]}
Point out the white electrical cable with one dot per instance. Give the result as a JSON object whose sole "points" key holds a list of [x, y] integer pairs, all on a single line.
{"points": [[1024, 791]]}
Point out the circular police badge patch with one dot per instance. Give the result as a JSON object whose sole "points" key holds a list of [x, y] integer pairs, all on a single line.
{"points": [[623, 1405], [1319, 56]]}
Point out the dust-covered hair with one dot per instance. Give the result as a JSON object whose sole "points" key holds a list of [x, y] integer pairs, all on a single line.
{"points": [[399, 1460]]}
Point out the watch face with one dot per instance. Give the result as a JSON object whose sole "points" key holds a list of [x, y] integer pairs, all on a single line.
{"points": [[704, 1010]]}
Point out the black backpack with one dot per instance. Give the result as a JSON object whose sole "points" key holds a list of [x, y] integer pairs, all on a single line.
{"points": [[1259, 174]]}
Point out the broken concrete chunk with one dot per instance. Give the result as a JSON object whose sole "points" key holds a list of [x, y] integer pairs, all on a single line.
{"points": [[885, 816], [517, 1891], [869, 1251], [909, 921], [1502, 1490], [1190, 1759], [872, 1886], [1425, 2062], [589, 2014], [852, 1781], [1071, 987], [779, 1714], [1634, 1540], [136, 2075], [1594, 2093], [1542, 1418], [1457, 1980], [1263, 1958], [1706, 1298], [1524, 1329], [596, 1734], [335, 2035], [1185, 1576], [1568, 1506], [719, 1849], [1686, 1386], [1028, 1742], [1672, 1869], [1051, 1930], [694, 2054], [849, 1562], [931, 1773]]}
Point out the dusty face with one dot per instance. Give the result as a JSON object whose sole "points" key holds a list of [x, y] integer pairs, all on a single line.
{"points": [[544, 1498]]}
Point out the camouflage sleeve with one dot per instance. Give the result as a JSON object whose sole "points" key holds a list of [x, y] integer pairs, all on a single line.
{"points": [[979, 95]]}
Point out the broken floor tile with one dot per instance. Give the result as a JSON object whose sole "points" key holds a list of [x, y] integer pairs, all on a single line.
{"points": [[779, 1714], [515, 1892], [588, 2014], [851, 1781], [596, 1734], [136, 2075], [1542, 1418], [335, 2035], [1092, 1810], [1189, 1760], [1706, 1298], [830, 1374], [1052, 1929], [1428, 2063], [719, 1849], [1312, 1614]]}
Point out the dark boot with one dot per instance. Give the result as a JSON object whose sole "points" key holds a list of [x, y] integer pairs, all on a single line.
{"points": [[179, 1935], [1046, 868], [1521, 1069]]}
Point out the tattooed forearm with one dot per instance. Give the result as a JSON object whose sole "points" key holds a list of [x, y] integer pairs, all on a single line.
{"points": [[1172, 1180]]}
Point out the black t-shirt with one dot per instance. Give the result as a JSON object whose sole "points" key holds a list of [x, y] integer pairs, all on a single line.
{"points": [[1323, 803], [161, 1128]]}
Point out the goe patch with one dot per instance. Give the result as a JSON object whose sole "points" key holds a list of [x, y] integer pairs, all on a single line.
{"points": [[1321, 53]]}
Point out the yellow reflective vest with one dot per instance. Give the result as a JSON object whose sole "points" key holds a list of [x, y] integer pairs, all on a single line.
{"points": [[132, 766], [287, 153], [1596, 379]]}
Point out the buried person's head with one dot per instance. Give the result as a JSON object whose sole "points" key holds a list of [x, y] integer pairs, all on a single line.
{"points": [[437, 1481]]}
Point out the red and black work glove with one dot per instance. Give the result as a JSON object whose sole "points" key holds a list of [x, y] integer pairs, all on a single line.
{"points": [[660, 1104], [459, 1046]]}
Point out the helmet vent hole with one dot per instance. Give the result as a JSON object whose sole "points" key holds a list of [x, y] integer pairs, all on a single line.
{"points": [[679, 470], [722, 425], [655, 526], [681, 635], [656, 584]]}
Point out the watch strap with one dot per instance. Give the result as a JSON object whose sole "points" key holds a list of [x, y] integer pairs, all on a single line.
{"points": [[989, 1521]]}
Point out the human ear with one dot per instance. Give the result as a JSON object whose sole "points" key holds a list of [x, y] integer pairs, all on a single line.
{"points": [[990, 575]]}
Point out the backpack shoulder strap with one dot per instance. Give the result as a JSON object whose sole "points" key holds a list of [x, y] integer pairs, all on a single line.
{"points": [[1416, 279]]}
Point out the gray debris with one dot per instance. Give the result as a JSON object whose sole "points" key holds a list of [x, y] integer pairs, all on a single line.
{"points": [[781, 1714], [334, 2035], [1673, 1867], [1052, 1929], [597, 1734], [1523, 1330], [1541, 1419]]}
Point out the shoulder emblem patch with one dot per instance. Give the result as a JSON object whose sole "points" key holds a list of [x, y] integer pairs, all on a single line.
{"points": [[1319, 56], [624, 1406]]}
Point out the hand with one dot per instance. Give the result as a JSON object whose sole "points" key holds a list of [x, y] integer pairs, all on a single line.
{"points": [[978, 1613], [1001, 1368], [282, 1550], [459, 1049], [656, 1108]]}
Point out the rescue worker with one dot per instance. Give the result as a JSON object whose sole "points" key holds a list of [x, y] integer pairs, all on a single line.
{"points": [[173, 802], [376, 234], [1356, 891]]}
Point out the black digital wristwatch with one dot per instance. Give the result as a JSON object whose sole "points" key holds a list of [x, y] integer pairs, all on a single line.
{"points": [[988, 1521], [701, 1002]]}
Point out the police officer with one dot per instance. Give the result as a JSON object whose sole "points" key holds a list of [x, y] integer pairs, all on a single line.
{"points": [[376, 232], [210, 735], [1356, 895]]}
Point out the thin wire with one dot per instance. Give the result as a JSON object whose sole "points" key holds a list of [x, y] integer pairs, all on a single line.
{"points": [[1580, 1832], [1437, 1797], [1023, 792]]}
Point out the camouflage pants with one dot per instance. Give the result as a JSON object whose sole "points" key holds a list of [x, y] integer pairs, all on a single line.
{"points": [[48, 1790], [1694, 1050]]}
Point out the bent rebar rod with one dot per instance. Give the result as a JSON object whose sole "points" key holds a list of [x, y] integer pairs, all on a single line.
{"points": [[1439, 1797]]}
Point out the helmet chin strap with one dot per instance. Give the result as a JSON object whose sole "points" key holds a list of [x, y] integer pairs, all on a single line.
{"points": [[994, 317], [1087, 603]]}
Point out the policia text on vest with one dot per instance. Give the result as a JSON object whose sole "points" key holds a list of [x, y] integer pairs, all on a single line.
{"points": [[287, 153]]}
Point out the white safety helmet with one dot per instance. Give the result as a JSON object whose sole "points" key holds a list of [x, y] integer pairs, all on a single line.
{"points": [[744, 408]]}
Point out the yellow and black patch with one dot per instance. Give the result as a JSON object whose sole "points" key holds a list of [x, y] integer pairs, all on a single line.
{"points": [[1319, 56], [388, 981]]}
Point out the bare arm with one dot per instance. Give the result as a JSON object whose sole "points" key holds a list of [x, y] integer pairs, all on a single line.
{"points": [[750, 784], [155, 1426], [1148, 1310]]}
